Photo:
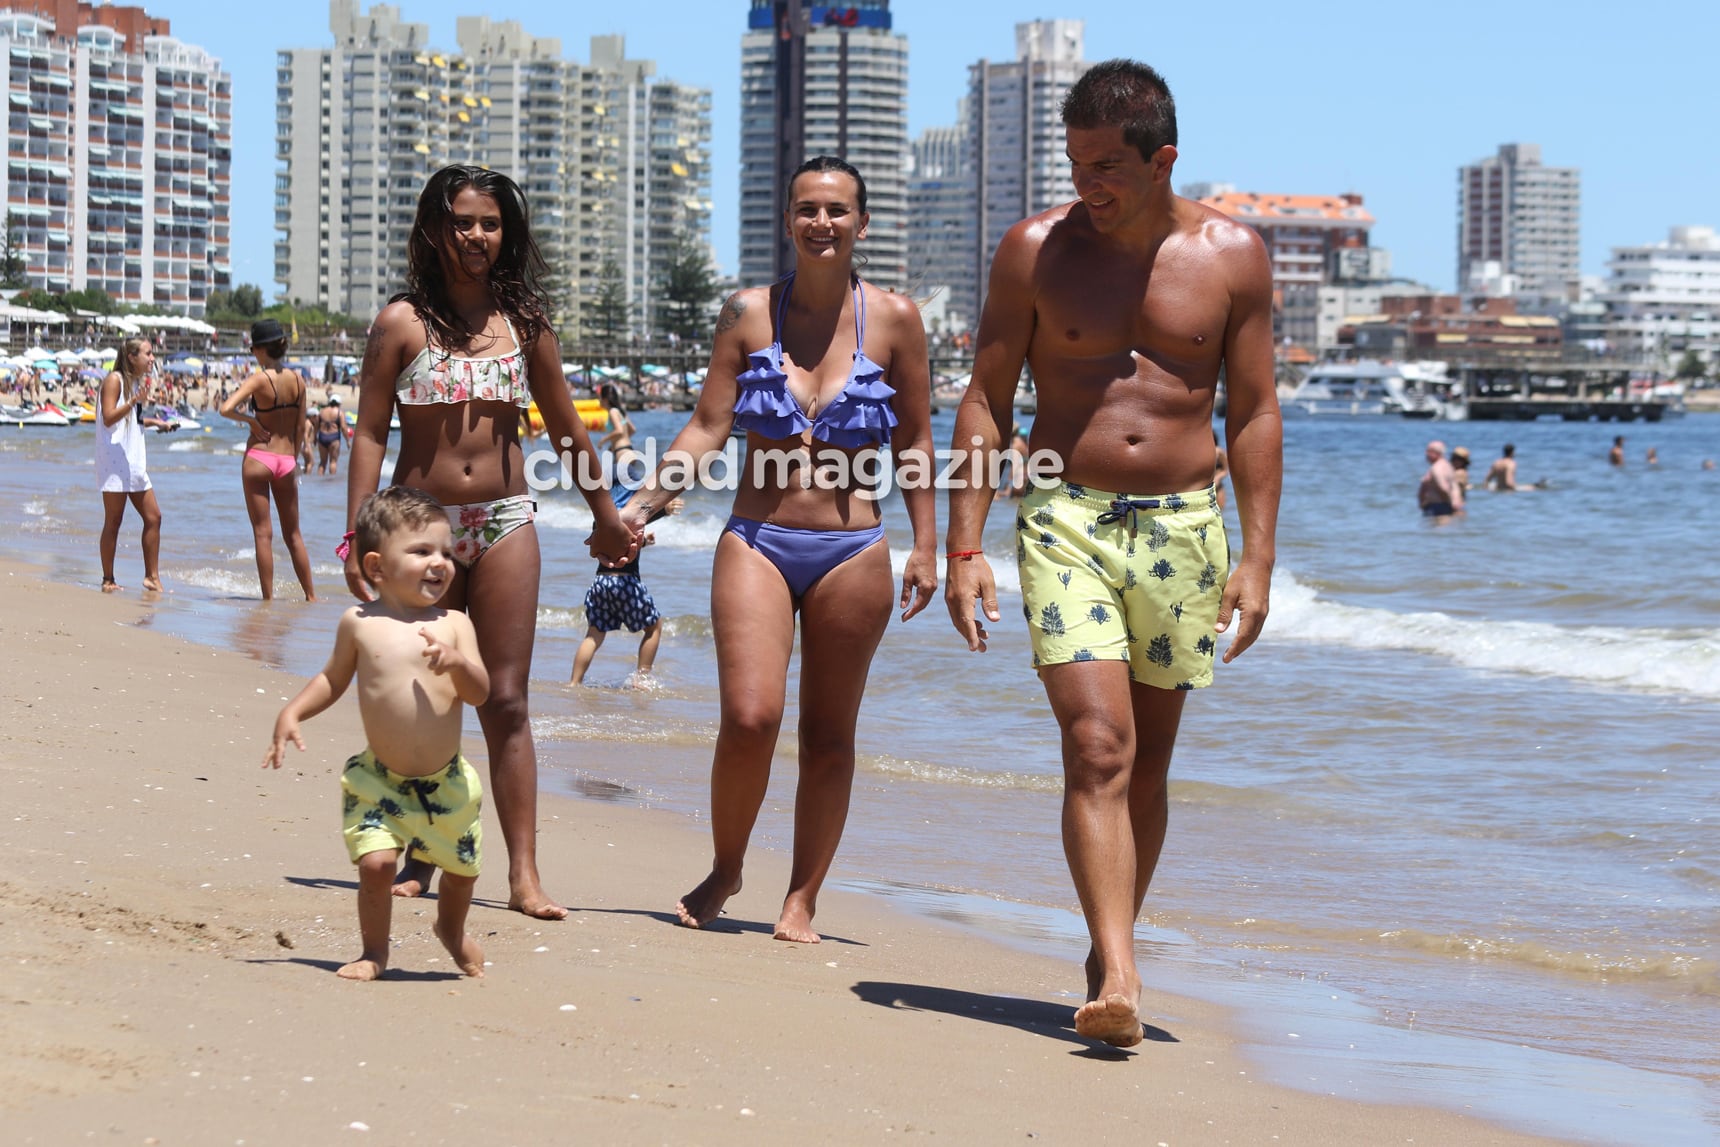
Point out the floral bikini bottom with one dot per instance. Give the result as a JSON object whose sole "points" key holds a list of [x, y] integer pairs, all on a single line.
{"points": [[479, 525]]}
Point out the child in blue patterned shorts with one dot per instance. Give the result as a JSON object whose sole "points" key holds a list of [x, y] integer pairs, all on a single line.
{"points": [[411, 789], [618, 599]]}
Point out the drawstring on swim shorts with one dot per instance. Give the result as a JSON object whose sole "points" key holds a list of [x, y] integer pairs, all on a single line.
{"points": [[424, 788], [1129, 508]]}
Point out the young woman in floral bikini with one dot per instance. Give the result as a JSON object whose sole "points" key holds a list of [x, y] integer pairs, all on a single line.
{"points": [[460, 354]]}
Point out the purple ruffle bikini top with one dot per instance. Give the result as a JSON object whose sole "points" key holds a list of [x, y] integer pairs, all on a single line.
{"points": [[860, 415]]}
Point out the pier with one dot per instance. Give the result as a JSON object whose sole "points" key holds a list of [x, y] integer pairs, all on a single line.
{"points": [[1573, 392]]}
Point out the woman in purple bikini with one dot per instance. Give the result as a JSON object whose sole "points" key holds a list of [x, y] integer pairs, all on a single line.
{"points": [[821, 370]]}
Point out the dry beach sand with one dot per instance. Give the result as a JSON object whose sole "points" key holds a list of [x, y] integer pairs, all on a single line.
{"points": [[171, 915]]}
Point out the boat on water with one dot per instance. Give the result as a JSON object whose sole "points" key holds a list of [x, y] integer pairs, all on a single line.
{"points": [[1371, 387]]}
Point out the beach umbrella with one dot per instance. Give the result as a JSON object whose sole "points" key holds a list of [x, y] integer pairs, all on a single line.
{"points": [[68, 358], [91, 354], [37, 352]]}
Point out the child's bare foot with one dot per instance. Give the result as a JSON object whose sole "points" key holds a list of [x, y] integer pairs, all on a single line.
{"points": [[705, 903], [1112, 1019], [795, 923], [414, 879], [363, 968], [464, 949], [109, 585]]}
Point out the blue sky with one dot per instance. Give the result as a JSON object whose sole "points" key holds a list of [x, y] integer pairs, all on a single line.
{"points": [[1383, 99]]}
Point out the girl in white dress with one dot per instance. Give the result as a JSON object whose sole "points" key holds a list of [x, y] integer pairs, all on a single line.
{"points": [[120, 459]]}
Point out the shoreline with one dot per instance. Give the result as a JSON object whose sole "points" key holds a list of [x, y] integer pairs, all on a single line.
{"points": [[176, 914]]}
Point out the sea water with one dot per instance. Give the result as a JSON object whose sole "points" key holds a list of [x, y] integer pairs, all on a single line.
{"points": [[1447, 834]]}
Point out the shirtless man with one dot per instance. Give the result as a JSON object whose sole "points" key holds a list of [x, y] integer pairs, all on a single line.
{"points": [[1125, 304], [1502, 475], [1440, 494], [1616, 454]]}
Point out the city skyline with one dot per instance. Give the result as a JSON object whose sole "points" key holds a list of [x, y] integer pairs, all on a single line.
{"points": [[1277, 106]]}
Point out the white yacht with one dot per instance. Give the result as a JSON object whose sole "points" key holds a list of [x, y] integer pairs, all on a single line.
{"points": [[1371, 387]]}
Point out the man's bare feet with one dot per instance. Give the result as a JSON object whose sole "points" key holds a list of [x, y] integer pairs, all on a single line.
{"points": [[1112, 1019], [465, 951], [705, 903], [414, 879], [363, 968], [109, 585], [795, 923], [528, 898]]}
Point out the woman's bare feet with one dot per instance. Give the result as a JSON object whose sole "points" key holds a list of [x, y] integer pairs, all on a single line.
{"points": [[527, 897], [152, 583], [705, 903], [363, 968], [109, 585], [414, 879], [795, 923], [1112, 1019], [464, 949]]}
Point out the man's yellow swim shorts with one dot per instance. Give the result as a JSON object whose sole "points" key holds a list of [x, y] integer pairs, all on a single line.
{"points": [[1123, 577], [436, 817]]}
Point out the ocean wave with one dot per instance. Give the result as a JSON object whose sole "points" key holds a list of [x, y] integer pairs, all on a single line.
{"points": [[620, 728], [1697, 974], [900, 768], [222, 581], [1658, 659]]}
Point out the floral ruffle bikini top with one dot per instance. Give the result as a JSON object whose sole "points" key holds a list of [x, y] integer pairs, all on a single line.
{"points": [[859, 415], [435, 375]]}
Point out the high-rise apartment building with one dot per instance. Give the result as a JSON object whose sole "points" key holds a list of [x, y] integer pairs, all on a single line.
{"points": [[598, 150], [1522, 218], [941, 222], [1015, 134], [119, 140], [823, 80]]}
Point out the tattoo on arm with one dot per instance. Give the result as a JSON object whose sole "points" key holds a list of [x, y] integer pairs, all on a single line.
{"points": [[731, 312]]}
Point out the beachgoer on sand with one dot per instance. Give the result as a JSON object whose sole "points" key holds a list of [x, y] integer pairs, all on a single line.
{"points": [[410, 789], [1125, 568]]}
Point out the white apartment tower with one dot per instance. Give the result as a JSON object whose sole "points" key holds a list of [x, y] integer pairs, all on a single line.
{"points": [[119, 140], [1663, 299], [1523, 217], [362, 125], [823, 80], [1015, 133]]}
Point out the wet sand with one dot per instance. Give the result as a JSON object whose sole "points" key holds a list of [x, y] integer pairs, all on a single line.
{"points": [[172, 915]]}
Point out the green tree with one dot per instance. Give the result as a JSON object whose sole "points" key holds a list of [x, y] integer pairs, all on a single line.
{"points": [[248, 300], [40, 300], [688, 288], [610, 313], [1690, 366], [91, 299], [13, 266]]}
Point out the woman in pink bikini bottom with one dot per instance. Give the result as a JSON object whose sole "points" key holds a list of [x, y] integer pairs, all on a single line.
{"points": [[271, 402]]}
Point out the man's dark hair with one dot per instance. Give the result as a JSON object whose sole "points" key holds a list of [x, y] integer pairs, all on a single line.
{"points": [[1510, 449], [1125, 94]]}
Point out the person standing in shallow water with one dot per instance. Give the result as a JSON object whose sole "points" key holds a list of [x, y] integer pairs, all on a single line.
{"points": [[270, 466], [1125, 568], [121, 459], [821, 370], [460, 355]]}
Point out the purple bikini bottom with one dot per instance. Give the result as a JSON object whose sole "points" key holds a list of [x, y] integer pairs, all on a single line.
{"points": [[802, 556]]}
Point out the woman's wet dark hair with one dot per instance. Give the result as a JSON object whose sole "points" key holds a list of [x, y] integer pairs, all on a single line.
{"points": [[1125, 94], [822, 163], [516, 279]]}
